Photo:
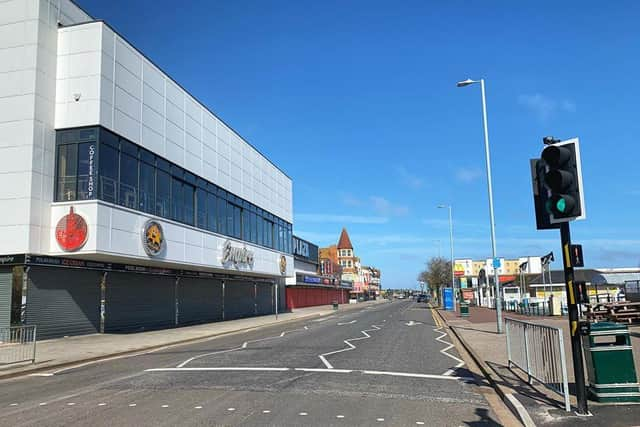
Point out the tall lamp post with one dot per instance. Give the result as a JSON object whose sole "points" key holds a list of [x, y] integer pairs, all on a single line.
{"points": [[453, 279], [491, 216]]}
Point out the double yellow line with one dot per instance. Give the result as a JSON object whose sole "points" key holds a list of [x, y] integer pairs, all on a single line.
{"points": [[436, 317]]}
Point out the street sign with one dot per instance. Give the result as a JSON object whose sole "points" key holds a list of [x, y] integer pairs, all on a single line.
{"points": [[496, 262]]}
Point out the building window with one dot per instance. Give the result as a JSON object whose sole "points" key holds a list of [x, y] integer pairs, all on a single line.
{"points": [[95, 163]]}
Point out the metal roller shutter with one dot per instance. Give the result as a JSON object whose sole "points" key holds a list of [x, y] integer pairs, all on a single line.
{"points": [[239, 299], [5, 298], [137, 302], [63, 302], [199, 300], [265, 298]]}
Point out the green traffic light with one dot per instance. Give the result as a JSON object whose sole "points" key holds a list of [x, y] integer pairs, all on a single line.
{"points": [[561, 205]]}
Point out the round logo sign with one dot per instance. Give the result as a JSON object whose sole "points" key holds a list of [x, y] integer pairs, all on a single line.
{"points": [[283, 264], [153, 238], [71, 231]]}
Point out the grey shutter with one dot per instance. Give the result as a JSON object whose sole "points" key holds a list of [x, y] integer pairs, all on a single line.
{"points": [[199, 300], [5, 299], [239, 299], [265, 298], [138, 302], [63, 301]]}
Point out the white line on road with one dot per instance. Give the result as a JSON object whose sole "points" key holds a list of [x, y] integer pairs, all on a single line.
{"points": [[444, 351], [408, 374], [45, 374], [348, 342], [234, 368], [242, 347], [347, 323], [316, 370]]}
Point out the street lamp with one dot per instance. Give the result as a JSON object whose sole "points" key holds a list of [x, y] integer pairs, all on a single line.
{"points": [[490, 190], [453, 280]]}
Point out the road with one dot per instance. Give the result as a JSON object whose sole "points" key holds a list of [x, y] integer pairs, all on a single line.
{"points": [[387, 364]]}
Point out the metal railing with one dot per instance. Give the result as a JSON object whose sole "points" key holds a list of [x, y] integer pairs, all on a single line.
{"points": [[539, 351], [17, 344]]}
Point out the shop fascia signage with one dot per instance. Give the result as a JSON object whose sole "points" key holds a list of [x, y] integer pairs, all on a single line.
{"points": [[300, 247], [237, 256]]}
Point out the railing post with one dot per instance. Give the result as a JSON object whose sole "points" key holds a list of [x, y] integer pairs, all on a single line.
{"points": [[507, 326], [565, 380], [33, 356], [526, 353]]}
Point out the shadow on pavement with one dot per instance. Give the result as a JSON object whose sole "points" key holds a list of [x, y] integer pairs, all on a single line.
{"points": [[485, 419], [484, 331]]}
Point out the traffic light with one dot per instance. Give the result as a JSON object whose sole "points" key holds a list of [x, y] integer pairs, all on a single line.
{"points": [[541, 196], [563, 179]]}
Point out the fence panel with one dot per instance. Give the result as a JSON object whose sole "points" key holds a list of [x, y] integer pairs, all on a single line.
{"points": [[538, 350], [17, 344]]}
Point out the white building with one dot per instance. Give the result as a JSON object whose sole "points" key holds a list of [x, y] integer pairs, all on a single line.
{"points": [[108, 165]]}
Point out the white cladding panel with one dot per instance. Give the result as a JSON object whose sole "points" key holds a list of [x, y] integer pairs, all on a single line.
{"points": [[138, 101], [28, 51], [116, 231]]}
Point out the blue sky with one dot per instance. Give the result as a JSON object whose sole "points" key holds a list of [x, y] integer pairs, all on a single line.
{"points": [[356, 102]]}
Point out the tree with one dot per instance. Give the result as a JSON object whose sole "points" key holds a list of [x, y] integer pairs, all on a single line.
{"points": [[436, 275]]}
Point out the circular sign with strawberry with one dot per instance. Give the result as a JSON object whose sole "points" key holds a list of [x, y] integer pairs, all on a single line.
{"points": [[71, 231]]}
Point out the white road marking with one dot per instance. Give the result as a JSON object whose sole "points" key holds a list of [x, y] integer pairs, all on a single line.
{"points": [[131, 405], [165, 406], [304, 414], [101, 404], [348, 342], [231, 409], [242, 347], [234, 368], [43, 404], [379, 419], [412, 375], [420, 423], [320, 320], [338, 371], [447, 348], [339, 416], [14, 404], [43, 374], [71, 403], [197, 407], [347, 323], [266, 411], [412, 323]]}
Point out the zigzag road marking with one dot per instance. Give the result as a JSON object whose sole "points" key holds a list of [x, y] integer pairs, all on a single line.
{"points": [[242, 347], [350, 346], [448, 344]]}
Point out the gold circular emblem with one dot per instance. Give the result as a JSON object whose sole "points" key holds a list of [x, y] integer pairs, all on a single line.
{"points": [[283, 264], [153, 238]]}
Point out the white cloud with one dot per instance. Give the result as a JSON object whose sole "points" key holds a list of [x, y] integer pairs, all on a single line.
{"points": [[384, 207], [409, 179], [351, 200], [344, 219], [468, 174], [545, 107]]}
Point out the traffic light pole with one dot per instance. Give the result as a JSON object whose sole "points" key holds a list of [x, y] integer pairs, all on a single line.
{"points": [[576, 347]]}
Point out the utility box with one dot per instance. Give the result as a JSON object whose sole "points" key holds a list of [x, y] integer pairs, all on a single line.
{"points": [[464, 309], [610, 367]]}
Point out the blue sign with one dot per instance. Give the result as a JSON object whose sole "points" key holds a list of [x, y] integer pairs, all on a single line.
{"points": [[447, 297], [311, 279], [496, 262]]}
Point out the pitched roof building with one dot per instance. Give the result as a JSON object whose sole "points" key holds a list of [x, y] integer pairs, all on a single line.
{"points": [[344, 242]]}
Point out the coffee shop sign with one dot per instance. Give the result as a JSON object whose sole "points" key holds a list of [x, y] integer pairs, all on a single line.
{"points": [[237, 256]]}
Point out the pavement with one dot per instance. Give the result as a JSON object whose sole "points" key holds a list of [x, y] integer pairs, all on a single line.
{"points": [[533, 404], [389, 363]]}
